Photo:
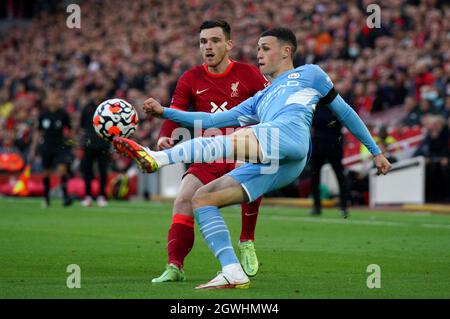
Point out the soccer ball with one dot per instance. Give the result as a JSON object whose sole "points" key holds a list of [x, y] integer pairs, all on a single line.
{"points": [[115, 117]]}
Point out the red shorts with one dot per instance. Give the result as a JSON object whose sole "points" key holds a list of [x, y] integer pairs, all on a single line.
{"points": [[207, 172]]}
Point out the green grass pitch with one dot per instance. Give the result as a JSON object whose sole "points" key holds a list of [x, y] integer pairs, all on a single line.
{"points": [[121, 247]]}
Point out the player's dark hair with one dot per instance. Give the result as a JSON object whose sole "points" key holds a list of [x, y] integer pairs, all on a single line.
{"points": [[209, 24], [284, 35]]}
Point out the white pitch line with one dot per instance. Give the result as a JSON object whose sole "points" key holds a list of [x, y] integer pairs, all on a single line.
{"points": [[356, 222], [436, 226], [340, 221]]}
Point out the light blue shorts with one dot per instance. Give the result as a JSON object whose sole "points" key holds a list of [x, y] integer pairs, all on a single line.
{"points": [[257, 179], [286, 148], [281, 140]]}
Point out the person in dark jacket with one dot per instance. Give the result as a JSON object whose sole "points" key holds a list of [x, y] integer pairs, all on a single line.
{"points": [[95, 149], [327, 141], [435, 149]]}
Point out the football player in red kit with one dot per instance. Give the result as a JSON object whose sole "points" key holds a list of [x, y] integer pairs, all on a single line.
{"points": [[217, 85]]}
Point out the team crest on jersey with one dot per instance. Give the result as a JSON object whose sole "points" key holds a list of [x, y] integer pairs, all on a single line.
{"points": [[234, 89], [295, 75]]}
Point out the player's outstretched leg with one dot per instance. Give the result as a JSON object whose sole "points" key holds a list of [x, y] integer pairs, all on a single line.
{"points": [[241, 145]]}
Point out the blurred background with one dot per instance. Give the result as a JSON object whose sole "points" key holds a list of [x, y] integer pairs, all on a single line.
{"points": [[396, 77]]}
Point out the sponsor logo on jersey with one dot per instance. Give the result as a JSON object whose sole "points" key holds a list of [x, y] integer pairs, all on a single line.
{"points": [[295, 75], [218, 108]]}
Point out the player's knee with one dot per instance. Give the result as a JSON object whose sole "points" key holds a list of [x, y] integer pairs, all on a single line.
{"points": [[202, 198], [182, 204], [197, 200]]}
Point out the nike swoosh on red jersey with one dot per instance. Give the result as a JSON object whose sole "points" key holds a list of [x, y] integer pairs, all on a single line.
{"points": [[200, 92], [247, 214]]}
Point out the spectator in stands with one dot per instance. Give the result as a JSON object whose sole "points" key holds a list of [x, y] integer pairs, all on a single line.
{"points": [[441, 80], [426, 108], [432, 94], [446, 110], [382, 136], [390, 93], [422, 76], [386, 139], [412, 116]]}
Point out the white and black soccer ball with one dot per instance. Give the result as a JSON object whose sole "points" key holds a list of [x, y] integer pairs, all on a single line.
{"points": [[115, 117]]}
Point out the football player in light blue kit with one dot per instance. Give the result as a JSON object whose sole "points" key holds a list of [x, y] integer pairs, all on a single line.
{"points": [[275, 151]]}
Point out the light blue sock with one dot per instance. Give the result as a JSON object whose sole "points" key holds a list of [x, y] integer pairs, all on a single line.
{"points": [[215, 232], [200, 150]]}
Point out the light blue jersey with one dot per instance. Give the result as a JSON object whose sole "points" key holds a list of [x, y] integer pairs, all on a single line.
{"points": [[284, 113], [288, 104], [293, 96], [286, 109]]}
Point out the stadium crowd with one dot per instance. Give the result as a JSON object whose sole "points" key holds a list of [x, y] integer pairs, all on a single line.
{"points": [[137, 49]]}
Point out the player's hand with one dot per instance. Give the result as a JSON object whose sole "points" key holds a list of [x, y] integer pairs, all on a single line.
{"points": [[382, 164], [152, 107], [164, 143]]}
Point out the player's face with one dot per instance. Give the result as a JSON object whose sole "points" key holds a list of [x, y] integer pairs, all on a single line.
{"points": [[214, 46], [271, 55]]}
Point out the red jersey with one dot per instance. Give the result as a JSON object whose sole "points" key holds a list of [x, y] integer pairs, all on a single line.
{"points": [[203, 91]]}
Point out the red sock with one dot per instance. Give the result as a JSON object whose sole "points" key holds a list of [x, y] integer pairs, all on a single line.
{"points": [[249, 217], [180, 238]]}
